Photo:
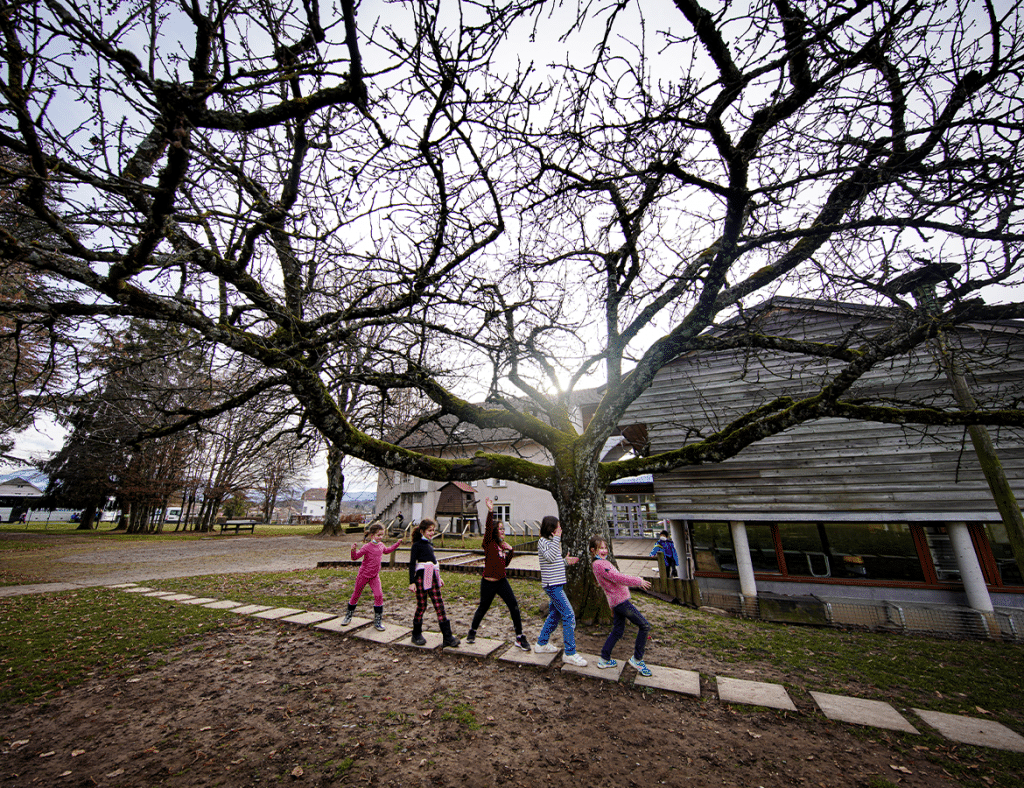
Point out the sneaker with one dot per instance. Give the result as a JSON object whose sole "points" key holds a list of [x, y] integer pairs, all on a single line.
{"points": [[547, 648], [606, 663], [574, 659], [641, 668], [471, 636], [522, 642]]}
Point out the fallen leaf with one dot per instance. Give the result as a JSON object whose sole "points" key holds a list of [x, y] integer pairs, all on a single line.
{"points": [[753, 735], [982, 711], [902, 769], [19, 743], [426, 713], [116, 773], [297, 772], [66, 774], [47, 754], [76, 753]]}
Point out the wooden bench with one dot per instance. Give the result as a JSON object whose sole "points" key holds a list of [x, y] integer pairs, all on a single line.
{"points": [[237, 525]]}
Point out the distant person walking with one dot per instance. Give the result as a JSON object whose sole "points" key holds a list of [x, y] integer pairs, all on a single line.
{"points": [[425, 580], [667, 547], [552, 578], [372, 554], [497, 554]]}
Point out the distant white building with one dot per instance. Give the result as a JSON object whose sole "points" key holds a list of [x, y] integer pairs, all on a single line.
{"points": [[314, 503]]}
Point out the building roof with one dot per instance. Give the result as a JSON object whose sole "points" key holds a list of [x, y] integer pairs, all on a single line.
{"points": [[31, 476], [316, 494]]}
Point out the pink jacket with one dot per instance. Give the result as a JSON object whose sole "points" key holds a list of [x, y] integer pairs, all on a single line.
{"points": [[373, 553], [613, 582]]}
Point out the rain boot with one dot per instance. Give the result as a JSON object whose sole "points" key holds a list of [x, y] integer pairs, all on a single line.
{"points": [[448, 639], [348, 615], [417, 632], [378, 615]]}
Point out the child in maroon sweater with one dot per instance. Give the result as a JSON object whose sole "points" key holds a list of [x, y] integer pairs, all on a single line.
{"points": [[497, 554]]}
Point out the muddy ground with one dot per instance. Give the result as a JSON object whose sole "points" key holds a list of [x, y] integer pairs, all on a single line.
{"points": [[263, 703]]}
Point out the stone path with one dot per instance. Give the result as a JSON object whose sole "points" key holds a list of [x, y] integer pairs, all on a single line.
{"points": [[841, 708]]}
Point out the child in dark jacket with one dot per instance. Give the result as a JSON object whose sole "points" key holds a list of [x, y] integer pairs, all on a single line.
{"points": [[425, 580]]}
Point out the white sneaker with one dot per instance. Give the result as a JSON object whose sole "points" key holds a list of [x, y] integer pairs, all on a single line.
{"points": [[574, 659], [547, 648]]}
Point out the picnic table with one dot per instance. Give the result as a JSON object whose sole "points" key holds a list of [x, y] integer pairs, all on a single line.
{"points": [[238, 525]]}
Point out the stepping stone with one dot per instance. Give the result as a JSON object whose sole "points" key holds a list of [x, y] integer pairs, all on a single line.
{"points": [[684, 682], [483, 647], [159, 594], [335, 625], [249, 609], [876, 713], [520, 657], [122, 585], [391, 632], [199, 600], [180, 598], [754, 693], [433, 640], [277, 612], [309, 617], [592, 671], [971, 730], [223, 604], [138, 589]]}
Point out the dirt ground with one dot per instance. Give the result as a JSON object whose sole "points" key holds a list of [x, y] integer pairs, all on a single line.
{"points": [[267, 703]]}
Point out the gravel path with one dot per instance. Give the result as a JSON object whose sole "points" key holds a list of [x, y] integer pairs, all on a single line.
{"points": [[45, 563]]}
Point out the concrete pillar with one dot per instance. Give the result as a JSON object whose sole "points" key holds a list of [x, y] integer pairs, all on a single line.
{"points": [[970, 570], [743, 563]]}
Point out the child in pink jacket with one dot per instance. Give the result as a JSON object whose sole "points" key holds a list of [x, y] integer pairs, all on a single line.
{"points": [[369, 572], [616, 589]]}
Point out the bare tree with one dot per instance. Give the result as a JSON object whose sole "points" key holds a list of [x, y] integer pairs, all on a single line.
{"points": [[546, 226]]}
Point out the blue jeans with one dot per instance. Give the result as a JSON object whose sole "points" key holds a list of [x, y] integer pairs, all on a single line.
{"points": [[621, 612], [559, 610]]}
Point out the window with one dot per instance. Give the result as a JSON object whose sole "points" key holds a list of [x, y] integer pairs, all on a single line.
{"points": [[876, 551], [503, 513], [497, 483], [712, 547], [1007, 567]]}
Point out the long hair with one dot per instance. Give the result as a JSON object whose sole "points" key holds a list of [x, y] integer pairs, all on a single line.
{"points": [[424, 524], [548, 526], [490, 531]]}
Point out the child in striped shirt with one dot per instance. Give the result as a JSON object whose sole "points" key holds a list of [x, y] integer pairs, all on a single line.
{"points": [[552, 578]]}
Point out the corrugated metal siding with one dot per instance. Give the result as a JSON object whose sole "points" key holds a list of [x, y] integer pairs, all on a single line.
{"points": [[832, 467]]}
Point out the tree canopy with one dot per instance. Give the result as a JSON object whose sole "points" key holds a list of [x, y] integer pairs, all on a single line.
{"points": [[529, 196]]}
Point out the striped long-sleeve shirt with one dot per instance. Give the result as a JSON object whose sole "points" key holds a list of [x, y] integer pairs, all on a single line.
{"points": [[552, 565]]}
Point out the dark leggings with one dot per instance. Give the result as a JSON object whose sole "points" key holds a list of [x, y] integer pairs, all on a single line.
{"points": [[620, 613], [488, 590], [430, 595]]}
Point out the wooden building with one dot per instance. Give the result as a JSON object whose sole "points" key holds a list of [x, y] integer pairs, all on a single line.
{"points": [[839, 511]]}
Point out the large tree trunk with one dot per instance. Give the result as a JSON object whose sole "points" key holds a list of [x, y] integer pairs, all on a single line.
{"points": [[87, 517], [581, 511], [335, 490]]}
